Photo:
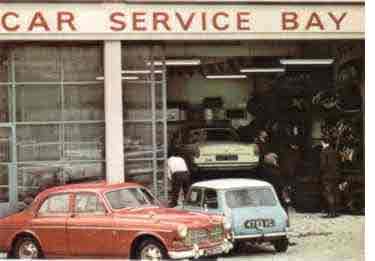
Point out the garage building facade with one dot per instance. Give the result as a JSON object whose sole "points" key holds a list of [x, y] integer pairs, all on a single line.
{"points": [[97, 89]]}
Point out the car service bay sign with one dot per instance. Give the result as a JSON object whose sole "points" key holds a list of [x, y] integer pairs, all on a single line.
{"points": [[180, 21]]}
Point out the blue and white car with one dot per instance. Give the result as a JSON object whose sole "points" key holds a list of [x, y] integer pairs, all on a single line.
{"points": [[251, 208]]}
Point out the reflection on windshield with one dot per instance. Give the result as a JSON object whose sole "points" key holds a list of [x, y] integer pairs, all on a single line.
{"points": [[254, 197], [130, 198]]}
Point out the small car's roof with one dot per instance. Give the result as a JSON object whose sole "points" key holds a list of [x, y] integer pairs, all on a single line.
{"points": [[231, 183]]}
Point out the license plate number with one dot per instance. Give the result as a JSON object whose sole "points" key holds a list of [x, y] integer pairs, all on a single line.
{"points": [[214, 251], [259, 223], [226, 157]]}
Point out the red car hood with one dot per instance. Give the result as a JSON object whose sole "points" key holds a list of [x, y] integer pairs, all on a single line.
{"points": [[170, 215]]}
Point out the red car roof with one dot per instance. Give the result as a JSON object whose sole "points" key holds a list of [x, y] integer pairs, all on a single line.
{"points": [[100, 186]]}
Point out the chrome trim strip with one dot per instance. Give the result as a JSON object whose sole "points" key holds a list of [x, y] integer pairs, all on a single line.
{"points": [[277, 234], [77, 227], [196, 252]]}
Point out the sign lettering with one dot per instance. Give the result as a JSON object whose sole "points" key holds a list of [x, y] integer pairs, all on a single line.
{"points": [[173, 20]]}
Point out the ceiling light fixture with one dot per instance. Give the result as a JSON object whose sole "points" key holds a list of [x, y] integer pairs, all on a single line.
{"points": [[262, 70], [233, 76], [306, 61], [190, 62], [141, 71], [130, 78], [101, 78]]}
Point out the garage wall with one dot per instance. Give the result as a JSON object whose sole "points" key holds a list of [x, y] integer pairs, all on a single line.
{"points": [[193, 90]]}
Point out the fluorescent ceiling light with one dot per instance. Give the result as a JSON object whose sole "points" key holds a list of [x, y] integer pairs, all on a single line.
{"points": [[141, 71], [130, 78], [101, 78], [233, 76], [306, 61], [262, 70], [185, 62]]}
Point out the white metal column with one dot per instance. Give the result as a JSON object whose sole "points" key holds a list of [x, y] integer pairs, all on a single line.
{"points": [[114, 145]]}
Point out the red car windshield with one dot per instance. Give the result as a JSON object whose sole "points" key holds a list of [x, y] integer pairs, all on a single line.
{"points": [[131, 198]]}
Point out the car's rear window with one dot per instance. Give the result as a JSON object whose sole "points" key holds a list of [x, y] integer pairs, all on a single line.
{"points": [[250, 197]]}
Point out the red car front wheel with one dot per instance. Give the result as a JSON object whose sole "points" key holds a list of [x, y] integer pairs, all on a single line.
{"points": [[27, 248]]}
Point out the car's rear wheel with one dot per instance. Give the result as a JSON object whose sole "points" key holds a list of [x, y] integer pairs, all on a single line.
{"points": [[27, 248], [151, 249], [281, 245]]}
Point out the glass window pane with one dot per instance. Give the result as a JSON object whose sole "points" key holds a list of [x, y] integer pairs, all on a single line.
{"points": [[55, 205], [4, 64], [4, 103], [38, 103], [84, 102], [34, 63], [5, 144], [127, 198], [250, 197], [88, 204], [84, 141], [38, 143], [83, 172], [82, 63], [4, 183], [33, 178], [210, 199]]}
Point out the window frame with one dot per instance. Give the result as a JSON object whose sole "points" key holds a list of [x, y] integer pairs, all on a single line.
{"points": [[87, 214], [271, 191], [65, 214], [204, 198], [105, 196]]}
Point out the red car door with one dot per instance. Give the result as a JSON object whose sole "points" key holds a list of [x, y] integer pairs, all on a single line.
{"points": [[49, 224], [90, 227]]}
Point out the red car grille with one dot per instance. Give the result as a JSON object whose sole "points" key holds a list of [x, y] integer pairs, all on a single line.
{"points": [[199, 236]]}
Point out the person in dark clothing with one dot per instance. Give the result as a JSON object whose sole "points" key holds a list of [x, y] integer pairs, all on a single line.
{"points": [[329, 177], [290, 158], [179, 175], [269, 170]]}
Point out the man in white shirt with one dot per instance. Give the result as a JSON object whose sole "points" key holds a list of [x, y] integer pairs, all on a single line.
{"points": [[178, 173]]}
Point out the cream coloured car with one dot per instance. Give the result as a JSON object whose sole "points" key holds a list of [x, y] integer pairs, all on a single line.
{"points": [[212, 148]]}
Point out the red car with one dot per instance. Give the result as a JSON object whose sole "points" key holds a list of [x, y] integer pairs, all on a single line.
{"points": [[117, 221]]}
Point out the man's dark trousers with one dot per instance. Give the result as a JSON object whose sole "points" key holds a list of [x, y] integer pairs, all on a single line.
{"points": [[179, 180]]}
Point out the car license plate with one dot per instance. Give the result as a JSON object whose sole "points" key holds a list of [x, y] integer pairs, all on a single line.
{"points": [[259, 223], [214, 251], [226, 157]]}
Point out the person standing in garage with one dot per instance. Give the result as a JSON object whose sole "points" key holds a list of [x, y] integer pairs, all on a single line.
{"points": [[290, 158], [179, 175], [329, 176], [269, 169]]}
